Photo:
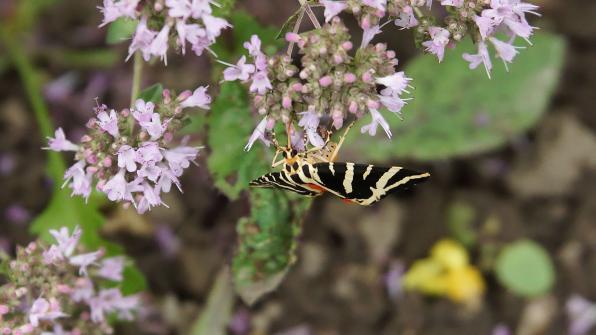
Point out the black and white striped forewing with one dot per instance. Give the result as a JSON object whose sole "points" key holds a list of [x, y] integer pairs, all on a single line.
{"points": [[361, 183], [284, 181]]}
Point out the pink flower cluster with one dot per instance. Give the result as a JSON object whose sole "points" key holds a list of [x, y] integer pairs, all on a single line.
{"points": [[489, 17], [68, 300], [332, 84], [189, 21], [130, 152]]}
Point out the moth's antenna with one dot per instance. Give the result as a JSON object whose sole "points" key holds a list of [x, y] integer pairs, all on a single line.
{"points": [[274, 140]]}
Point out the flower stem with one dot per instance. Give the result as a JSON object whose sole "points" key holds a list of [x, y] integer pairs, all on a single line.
{"points": [[31, 84], [136, 78]]}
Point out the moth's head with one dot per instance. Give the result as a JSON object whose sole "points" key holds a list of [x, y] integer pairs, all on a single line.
{"points": [[290, 153]]}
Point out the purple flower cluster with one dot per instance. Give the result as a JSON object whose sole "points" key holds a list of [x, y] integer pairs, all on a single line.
{"points": [[488, 17], [189, 21], [54, 290], [129, 153], [333, 83]]}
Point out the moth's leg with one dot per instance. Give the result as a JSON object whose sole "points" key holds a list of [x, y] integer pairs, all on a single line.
{"points": [[341, 141], [275, 164]]}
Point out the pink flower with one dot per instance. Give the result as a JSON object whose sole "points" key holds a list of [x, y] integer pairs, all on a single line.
{"points": [[260, 83], [53, 255], [113, 10], [66, 242], [189, 32], [126, 158], [84, 260], [485, 25], [377, 4], [142, 40], [258, 133], [166, 179], [111, 300], [143, 110], [310, 122], [60, 143], [109, 122], [406, 18], [395, 83], [505, 51], [200, 8], [179, 158], [377, 119], [254, 46], [150, 171], [81, 181], [199, 98], [511, 13], [214, 26], [392, 102], [481, 57], [111, 268], [439, 39], [159, 46], [369, 34], [117, 188], [149, 152], [179, 8], [83, 290], [454, 3], [333, 8], [149, 199], [581, 313], [239, 71], [44, 310], [155, 128]]}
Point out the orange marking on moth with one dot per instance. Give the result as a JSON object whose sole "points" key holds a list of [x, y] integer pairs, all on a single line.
{"points": [[315, 187], [348, 201]]}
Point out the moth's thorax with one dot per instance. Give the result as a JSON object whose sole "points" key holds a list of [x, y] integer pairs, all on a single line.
{"points": [[293, 164]]}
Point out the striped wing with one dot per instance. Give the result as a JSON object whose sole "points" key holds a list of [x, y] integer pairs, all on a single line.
{"points": [[360, 183], [288, 182]]}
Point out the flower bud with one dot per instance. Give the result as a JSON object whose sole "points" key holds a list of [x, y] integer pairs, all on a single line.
{"points": [[338, 59], [184, 95], [367, 77], [4, 310], [353, 108], [347, 45], [286, 102], [292, 37], [326, 81], [372, 104], [167, 96], [270, 123], [107, 162], [297, 87], [168, 136], [349, 78]]}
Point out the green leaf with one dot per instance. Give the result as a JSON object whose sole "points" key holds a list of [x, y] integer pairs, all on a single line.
{"points": [[215, 317], [230, 126], [66, 211], [267, 242], [245, 26], [525, 268], [460, 220], [224, 8], [120, 30], [152, 93], [457, 111]]}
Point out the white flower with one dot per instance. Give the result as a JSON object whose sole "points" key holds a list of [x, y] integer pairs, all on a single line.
{"points": [[258, 133], [377, 119], [126, 158], [84, 260], [60, 143]]}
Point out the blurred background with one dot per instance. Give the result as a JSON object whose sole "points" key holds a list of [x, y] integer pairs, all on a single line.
{"points": [[513, 164]]}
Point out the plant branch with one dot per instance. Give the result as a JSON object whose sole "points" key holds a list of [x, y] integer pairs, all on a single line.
{"points": [[136, 78], [31, 84]]}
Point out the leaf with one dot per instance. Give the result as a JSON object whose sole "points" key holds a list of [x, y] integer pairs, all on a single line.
{"points": [[224, 8], [289, 24], [215, 317], [525, 268], [230, 126], [457, 111], [120, 30], [267, 242], [152, 93], [460, 220]]}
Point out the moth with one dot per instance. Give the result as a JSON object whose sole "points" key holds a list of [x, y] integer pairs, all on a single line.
{"points": [[314, 172]]}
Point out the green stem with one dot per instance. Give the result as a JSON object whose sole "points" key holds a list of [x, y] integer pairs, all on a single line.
{"points": [[136, 78], [31, 84]]}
